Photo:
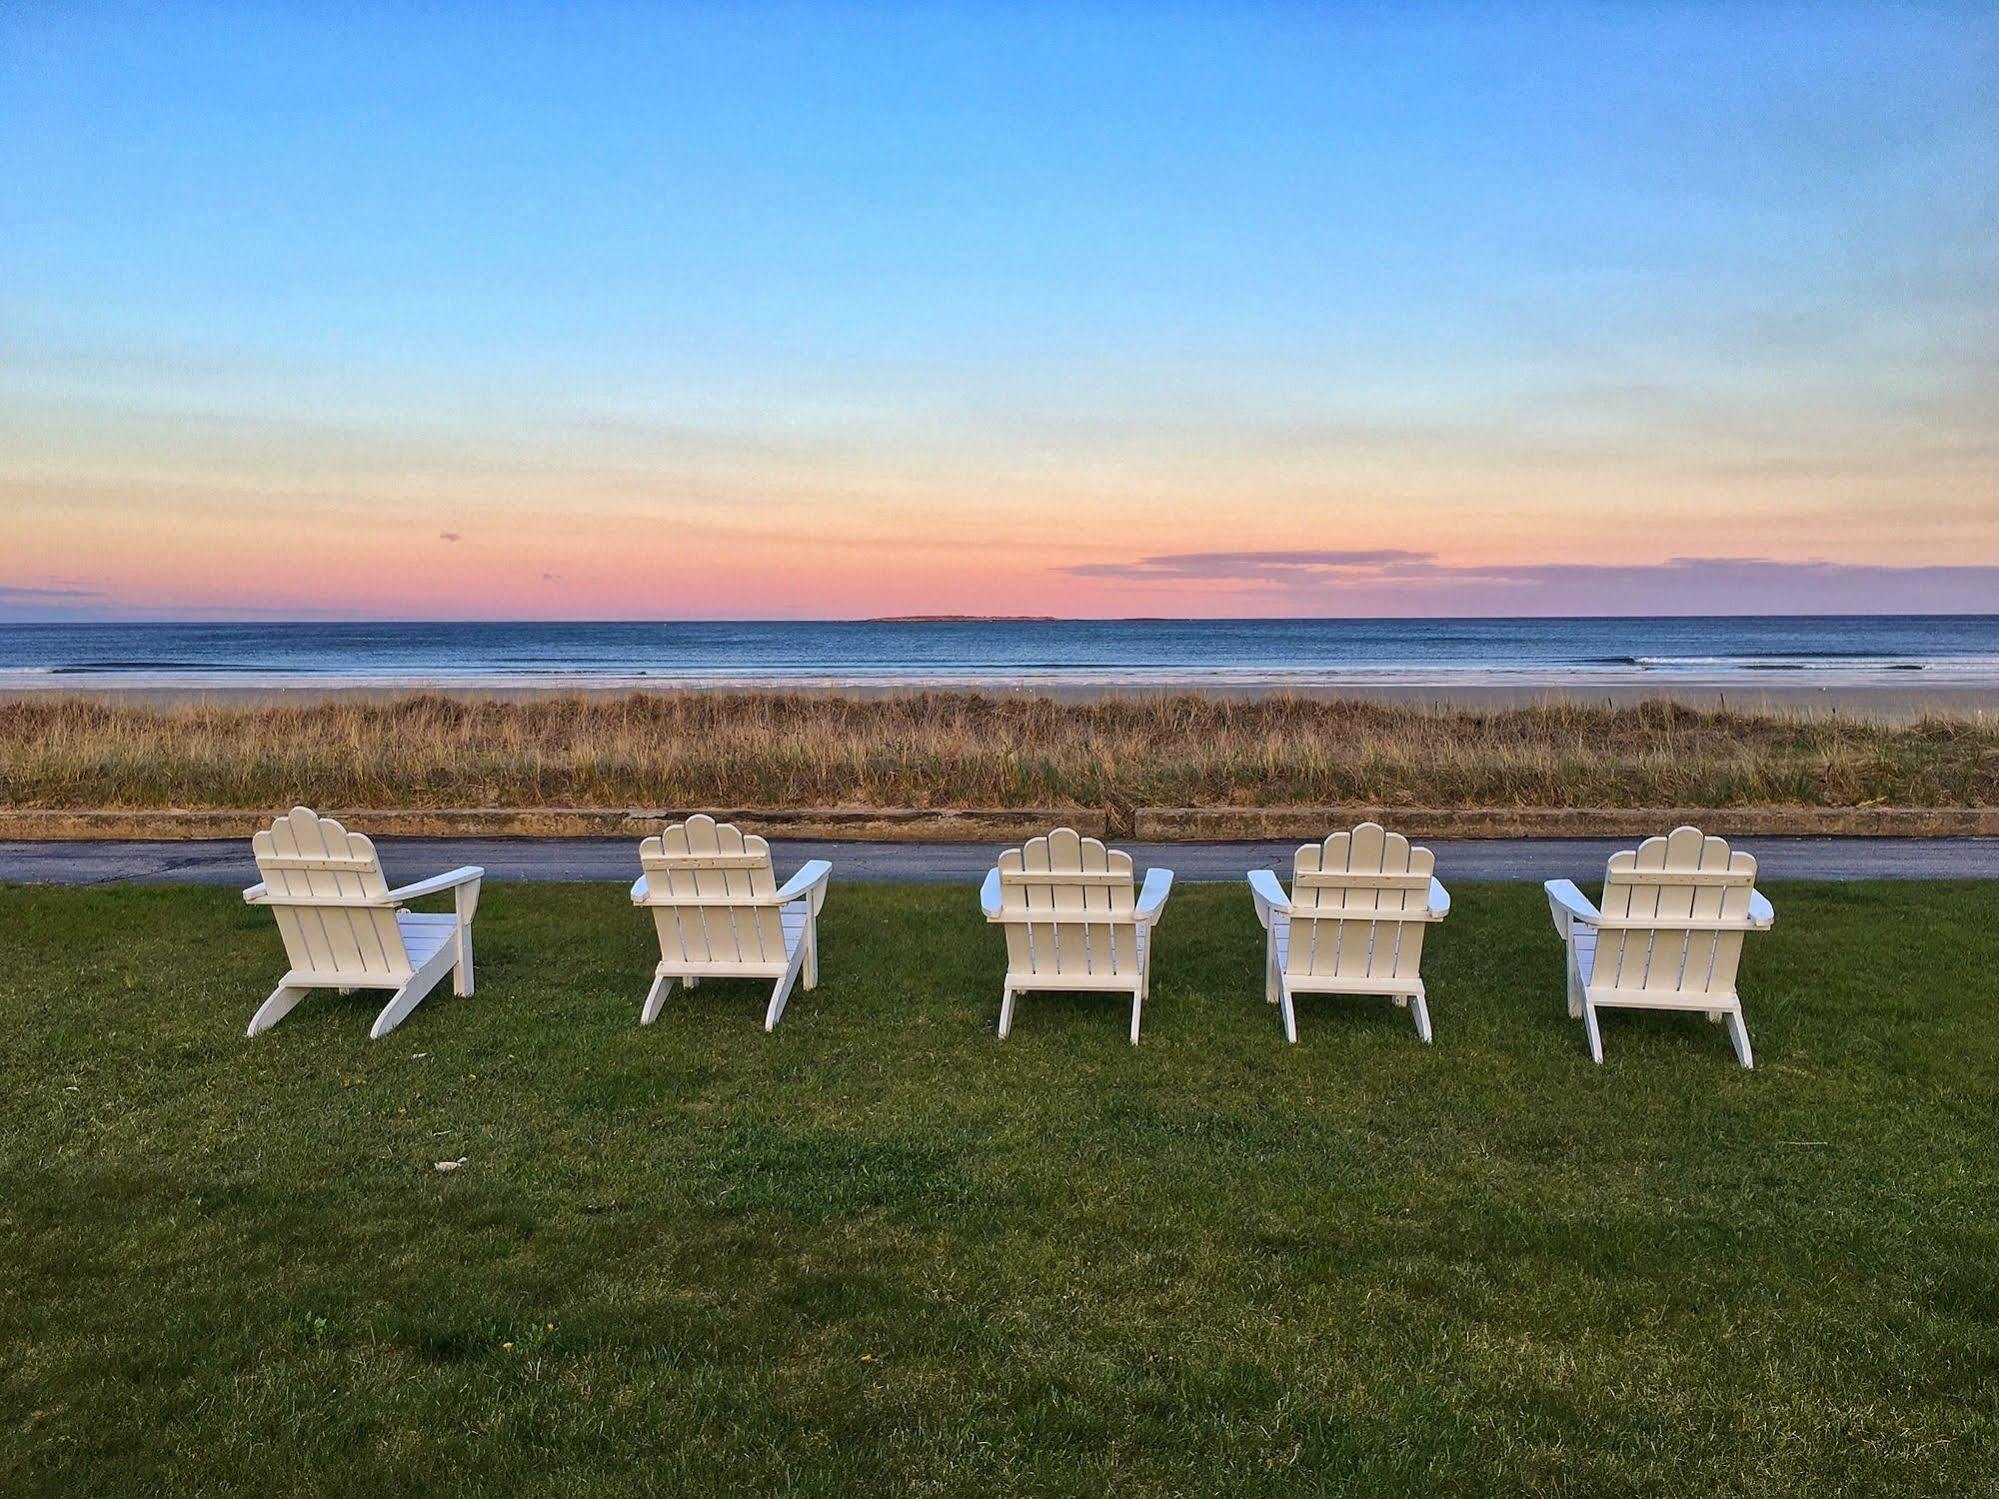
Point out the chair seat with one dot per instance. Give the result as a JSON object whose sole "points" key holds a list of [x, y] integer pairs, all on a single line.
{"points": [[1584, 938], [425, 935]]}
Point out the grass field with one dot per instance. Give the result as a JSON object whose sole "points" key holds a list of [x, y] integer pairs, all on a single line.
{"points": [[881, 1251], [963, 750]]}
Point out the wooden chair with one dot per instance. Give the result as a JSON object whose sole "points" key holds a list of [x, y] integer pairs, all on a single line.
{"points": [[720, 913], [345, 929], [1669, 935], [1352, 924], [1072, 919]]}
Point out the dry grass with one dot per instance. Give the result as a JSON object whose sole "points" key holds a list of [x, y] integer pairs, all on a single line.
{"points": [[955, 749]]}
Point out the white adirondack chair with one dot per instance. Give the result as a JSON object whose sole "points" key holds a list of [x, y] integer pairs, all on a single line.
{"points": [[721, 914], [1072, 920], [1352, 924], [345, 929], [1669, 936]]}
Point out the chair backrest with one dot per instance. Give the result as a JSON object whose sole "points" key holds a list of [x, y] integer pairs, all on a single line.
{"points": [[326, 888], [704, 880], [1067, 903], [1669, 888], [1359, 906]]}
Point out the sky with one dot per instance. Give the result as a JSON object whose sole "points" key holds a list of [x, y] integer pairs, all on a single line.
{"points": [[744, 311]]}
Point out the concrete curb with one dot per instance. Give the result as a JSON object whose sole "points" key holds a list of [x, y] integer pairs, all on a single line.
{"points": [[989, 825], [913, 824], [1219, 824]]}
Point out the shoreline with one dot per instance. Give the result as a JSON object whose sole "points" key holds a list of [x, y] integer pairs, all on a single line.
{"points": [[1889, 702]]}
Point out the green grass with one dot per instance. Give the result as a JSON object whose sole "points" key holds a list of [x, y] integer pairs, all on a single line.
{"points": [[881, 1251]]}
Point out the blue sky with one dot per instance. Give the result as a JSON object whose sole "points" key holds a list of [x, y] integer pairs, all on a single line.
{"points": [[845, 310]]}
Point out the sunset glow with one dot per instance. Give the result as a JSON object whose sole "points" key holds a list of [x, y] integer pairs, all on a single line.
{"points": [[781, 314]]}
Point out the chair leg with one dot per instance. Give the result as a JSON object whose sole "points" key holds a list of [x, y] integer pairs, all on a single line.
{"points": [[400, 1004], [1738, 1033], [782, 991], [1595, 1035], [1289, 1010], [1420, 1008], [1575, 985], [810, 978], [412, 993], [274, 1009], [465, 902], [1270, 976], [655, 998], [1137, 1003], [1006, 1012]]}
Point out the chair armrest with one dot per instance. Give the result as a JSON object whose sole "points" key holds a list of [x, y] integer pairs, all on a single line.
{"points": [[989, 895], [254, 896], [1760, 910], [1268, 894], [1567, 904], [1440, 900], [640, 890], [810, 880], [471, 874], [1151, 898]]}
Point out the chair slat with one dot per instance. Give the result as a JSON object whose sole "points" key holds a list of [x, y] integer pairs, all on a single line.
{"points": [[1107, 878], [1347, 879]]}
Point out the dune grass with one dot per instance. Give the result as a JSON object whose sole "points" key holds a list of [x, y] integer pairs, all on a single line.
{"points": [[881, 1251], [964, 750]]}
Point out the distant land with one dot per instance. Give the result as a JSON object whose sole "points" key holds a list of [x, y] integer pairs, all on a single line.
{"points": [[961, 619]]}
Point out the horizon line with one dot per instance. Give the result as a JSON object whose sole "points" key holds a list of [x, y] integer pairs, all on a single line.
{"points": [[324, 620]]}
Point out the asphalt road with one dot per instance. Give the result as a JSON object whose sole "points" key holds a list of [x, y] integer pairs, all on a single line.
{"points": [[227, 862]]}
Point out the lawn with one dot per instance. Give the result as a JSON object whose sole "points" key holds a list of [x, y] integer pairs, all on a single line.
{"points": [[881, 1251]]}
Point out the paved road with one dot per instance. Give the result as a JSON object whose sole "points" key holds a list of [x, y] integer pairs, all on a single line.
{"points": [[227, 862]]}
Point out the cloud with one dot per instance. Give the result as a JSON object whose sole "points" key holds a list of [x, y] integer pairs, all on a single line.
{"points": [[1407, 582], [51, 602], [1265, 566], [74, 603], [449, 535], [12, 594]]}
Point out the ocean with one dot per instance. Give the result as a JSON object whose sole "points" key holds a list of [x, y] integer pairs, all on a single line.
{"points": [[1907, 650]]}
